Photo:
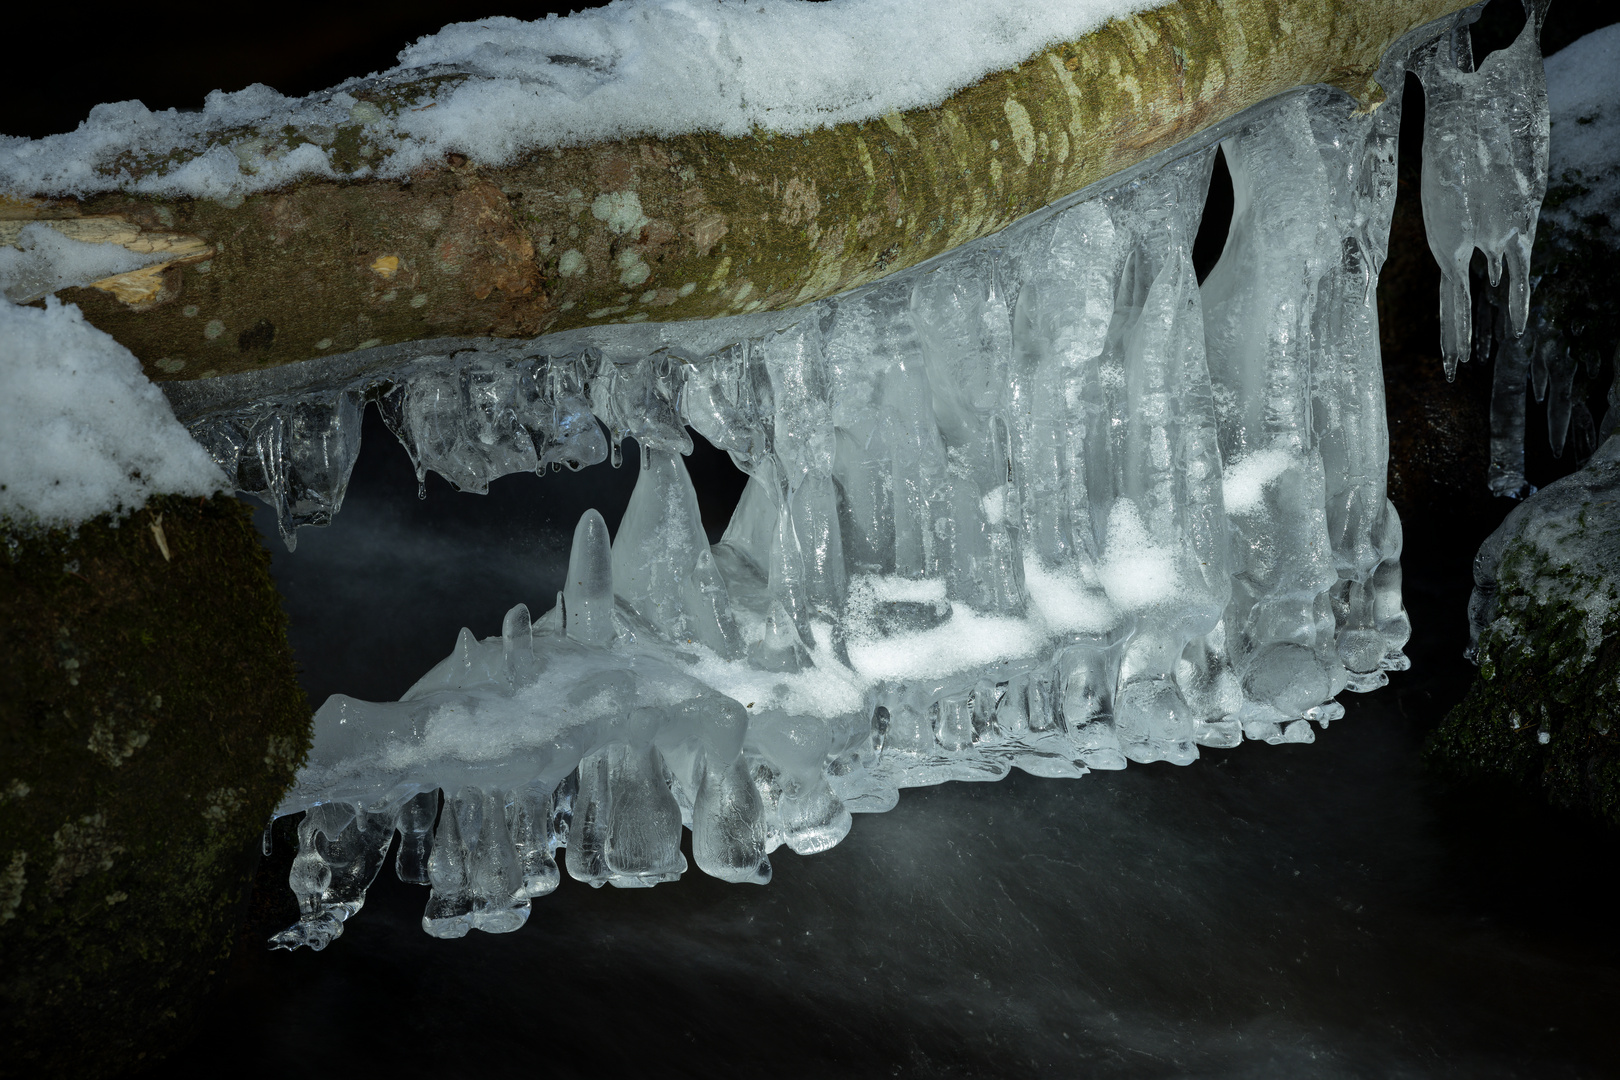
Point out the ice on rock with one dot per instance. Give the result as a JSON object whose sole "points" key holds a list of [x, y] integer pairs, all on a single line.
{"points": [[1044, 503], [1484, 168]]}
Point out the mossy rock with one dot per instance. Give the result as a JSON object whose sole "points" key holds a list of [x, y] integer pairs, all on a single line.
{"points": [[1545, 709], [151, 723]]}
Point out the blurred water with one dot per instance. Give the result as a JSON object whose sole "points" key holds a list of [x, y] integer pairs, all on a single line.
{"points": [[1317, 911]]}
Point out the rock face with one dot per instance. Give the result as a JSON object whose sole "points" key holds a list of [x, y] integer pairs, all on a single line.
{"points": [[1546, 623], [152, 720]]}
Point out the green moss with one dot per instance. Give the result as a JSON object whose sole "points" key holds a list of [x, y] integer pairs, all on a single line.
{"points": [[151, 723], [1540, 677]]}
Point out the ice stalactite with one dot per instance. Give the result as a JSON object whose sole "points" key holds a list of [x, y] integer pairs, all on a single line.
{"points": [[1045, 503], [1293, 341], [1484, 168], [1485, 172], [295, 455]]}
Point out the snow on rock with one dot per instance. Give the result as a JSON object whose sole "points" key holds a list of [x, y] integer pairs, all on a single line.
{"points": [[634, 67], [1583, 96], [82, 431]]}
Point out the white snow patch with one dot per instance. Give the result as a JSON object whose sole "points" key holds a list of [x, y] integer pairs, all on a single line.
{"points": [[1137, 571], [963, 642], [632, 68], [1064, 603], [826, 690], [82, 430], [1245, 480]]}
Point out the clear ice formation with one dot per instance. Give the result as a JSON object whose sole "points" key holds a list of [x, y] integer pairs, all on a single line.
{"points": [[1484, 168], [1044, 502], [1485, 172]]}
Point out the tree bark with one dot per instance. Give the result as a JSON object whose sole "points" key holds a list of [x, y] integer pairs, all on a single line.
{"points": [[694, 226]]}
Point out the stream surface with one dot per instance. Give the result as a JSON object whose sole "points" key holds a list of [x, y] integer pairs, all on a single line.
{"points": [[1270, 911]]}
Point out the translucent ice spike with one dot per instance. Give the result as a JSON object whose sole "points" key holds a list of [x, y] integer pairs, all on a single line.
{"points": [[1484, 168], [478, 881], [588, 590], [1293, 349], [531, 822], [415, 825], [1509, 389], [728, 826], [480, 420], [1553, 370], [678, 590], [462, 424]]}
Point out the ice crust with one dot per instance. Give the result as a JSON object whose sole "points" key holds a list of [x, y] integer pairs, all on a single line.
{"points": [[1043, 503], [83, 431], [1568, 528], [498, 87]]}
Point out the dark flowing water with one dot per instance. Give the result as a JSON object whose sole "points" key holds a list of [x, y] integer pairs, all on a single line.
{"points": [[1289, 911]]}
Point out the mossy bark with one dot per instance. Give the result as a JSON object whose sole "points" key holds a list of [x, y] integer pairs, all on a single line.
{"points": [[694, 226], [152, 720]]}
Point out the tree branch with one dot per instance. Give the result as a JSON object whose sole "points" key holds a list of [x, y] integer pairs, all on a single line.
{"points": [[695, 226]]}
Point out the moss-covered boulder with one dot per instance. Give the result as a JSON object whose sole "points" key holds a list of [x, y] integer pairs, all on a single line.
{"points": [[1545, 708], [151, 721]]}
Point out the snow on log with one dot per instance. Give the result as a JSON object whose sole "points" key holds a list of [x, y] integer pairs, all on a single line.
{"points": [[687, 226]]}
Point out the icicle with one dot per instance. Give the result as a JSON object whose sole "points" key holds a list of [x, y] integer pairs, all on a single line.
{"points": [[1045, 504], [296, 455], [1484, 168], [679, 591], [588, 590], [415, 827], [1509, 387], [340, 849]]}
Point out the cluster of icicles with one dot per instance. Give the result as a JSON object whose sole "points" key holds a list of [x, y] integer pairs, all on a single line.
{"points": [[1045, 503]]}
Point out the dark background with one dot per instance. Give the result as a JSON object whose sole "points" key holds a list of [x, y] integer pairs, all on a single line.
{"points": [[1330, 910]]}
